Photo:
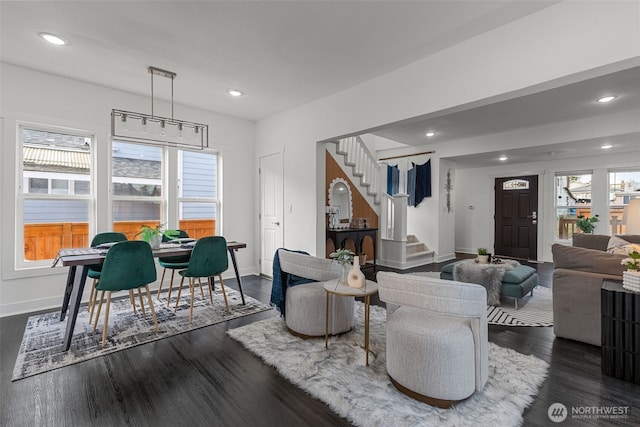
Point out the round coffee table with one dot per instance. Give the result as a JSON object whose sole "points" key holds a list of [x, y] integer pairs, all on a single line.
{"points": [[370, 288]]}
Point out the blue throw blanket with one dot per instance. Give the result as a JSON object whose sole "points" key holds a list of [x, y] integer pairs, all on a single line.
{"points": [[282, 280]]}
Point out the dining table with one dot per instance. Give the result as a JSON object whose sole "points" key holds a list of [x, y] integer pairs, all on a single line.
{"points": [[79, 260]]}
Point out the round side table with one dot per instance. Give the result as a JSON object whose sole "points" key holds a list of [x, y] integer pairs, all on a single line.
{"points": [[370, 288]]}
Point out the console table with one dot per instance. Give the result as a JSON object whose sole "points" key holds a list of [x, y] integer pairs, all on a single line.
{"points": [[340, 235], [620, 332]]}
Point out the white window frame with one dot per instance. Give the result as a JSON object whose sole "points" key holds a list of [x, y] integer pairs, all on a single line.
{"points": [[555, 197], [19, 262], [215, 200], [162, 199]]}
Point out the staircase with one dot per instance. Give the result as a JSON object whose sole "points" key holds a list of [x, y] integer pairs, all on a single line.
{"points": [[363, 165], [395, 248]]}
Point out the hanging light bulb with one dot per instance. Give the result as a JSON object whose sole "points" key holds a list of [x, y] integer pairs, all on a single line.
{"points": [[125, 128], [144, 125], [180, 130], [163, 132]]}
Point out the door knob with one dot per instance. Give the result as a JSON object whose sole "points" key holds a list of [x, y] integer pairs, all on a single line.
{"points": [[276, 223]]}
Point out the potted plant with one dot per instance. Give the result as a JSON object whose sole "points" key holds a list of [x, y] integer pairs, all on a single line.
{"points": [[345, 259], [586, 224], [483, 256], [153, 235], [631, 277]]}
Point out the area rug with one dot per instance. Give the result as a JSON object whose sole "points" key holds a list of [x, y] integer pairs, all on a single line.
{"points": [[41, 348], [536, 310], [365, 396]]}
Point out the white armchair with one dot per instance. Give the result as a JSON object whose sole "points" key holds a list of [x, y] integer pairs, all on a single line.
{"points": [[437, 337], [305, 309]]}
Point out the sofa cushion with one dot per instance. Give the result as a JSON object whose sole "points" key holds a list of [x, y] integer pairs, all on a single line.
{"points": [[586, 260], [600, 241], [620, 246]]}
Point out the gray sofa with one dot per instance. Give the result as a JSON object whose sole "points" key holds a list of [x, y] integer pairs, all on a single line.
{"points": [[579, 271]]}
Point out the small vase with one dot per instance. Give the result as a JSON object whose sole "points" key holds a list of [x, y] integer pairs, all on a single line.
{"points": [[344, 279], [483, 259], [356, 276], [631, 280], [155, 240]]}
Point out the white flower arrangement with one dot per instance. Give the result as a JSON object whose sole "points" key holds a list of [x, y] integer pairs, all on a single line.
{"points": [[633, 261]]}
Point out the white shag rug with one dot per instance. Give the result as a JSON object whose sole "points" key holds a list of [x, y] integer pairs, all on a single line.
{"points": [[365, 396]]}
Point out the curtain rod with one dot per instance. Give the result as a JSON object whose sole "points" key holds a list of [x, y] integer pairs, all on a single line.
{"points": [[407, 155]]}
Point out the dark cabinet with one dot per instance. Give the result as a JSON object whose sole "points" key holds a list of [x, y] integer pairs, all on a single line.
{"points": [[620, 332]]}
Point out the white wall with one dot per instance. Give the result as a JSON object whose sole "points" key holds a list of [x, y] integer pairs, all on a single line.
{"points": [[46, 99], [474, 228], [559, 41]]}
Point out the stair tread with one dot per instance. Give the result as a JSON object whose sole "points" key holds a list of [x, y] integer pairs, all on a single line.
{"points": [[419, 254]]}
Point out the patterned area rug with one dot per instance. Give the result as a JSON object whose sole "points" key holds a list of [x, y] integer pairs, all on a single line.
{"points": [[365, 396], [536, 310], [41, 348]]}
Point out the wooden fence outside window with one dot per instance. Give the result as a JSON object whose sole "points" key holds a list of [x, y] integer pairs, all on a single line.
{"points": [[44, 241]]}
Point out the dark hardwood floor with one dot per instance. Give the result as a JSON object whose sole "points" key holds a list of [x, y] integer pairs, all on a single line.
{"points": [[205, 378]]}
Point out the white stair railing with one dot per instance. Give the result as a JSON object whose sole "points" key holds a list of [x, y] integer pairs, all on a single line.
{"points": [[363, 164]]}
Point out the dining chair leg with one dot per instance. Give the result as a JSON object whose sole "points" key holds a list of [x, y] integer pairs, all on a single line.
{"points": [[201, 291], [170, 288], [106, 319], [210, 279], [95, 324], [92, 300], [224, 293], [144, 314], [191, 286], [153, 312], [133, 301], [161, 282], [179, 293]]}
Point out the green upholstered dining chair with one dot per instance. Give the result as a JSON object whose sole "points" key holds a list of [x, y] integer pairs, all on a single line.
{"points": [[128, 265], [208, 259], [94, 270], [172, 263]]}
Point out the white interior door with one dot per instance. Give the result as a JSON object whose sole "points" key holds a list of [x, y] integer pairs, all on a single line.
{"points": [[271, 210]]}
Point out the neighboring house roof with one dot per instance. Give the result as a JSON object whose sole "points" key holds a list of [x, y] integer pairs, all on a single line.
{"points": [[42, 156], [72, 161]]}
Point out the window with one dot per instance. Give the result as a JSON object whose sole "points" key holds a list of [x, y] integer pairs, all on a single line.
{"points": [[136, 182], [198, 193], [624, 185], [53, 217], [572, 200]]}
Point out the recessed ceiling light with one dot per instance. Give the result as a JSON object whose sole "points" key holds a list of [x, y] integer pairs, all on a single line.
{"points": [[430, 133], [606, 146], [606, 99], [502, 158], [234, 92], [53, 39]]}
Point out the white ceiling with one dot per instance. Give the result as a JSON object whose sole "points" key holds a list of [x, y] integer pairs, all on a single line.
{"points": [[282, 54]]}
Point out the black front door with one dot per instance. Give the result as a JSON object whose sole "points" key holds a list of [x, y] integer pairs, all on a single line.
{"points": [[516, 217]]}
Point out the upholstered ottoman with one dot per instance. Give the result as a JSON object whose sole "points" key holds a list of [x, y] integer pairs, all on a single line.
{"points": [[306, 311], [516, 283]]}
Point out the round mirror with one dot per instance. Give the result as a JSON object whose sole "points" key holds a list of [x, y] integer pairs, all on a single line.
{"points": [[340, 201]]}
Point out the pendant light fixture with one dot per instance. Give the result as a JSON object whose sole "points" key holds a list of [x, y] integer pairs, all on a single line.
{"points": [[143, 128]]}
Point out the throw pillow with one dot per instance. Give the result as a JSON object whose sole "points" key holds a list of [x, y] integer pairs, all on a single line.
{"points": [[617, 245]]}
